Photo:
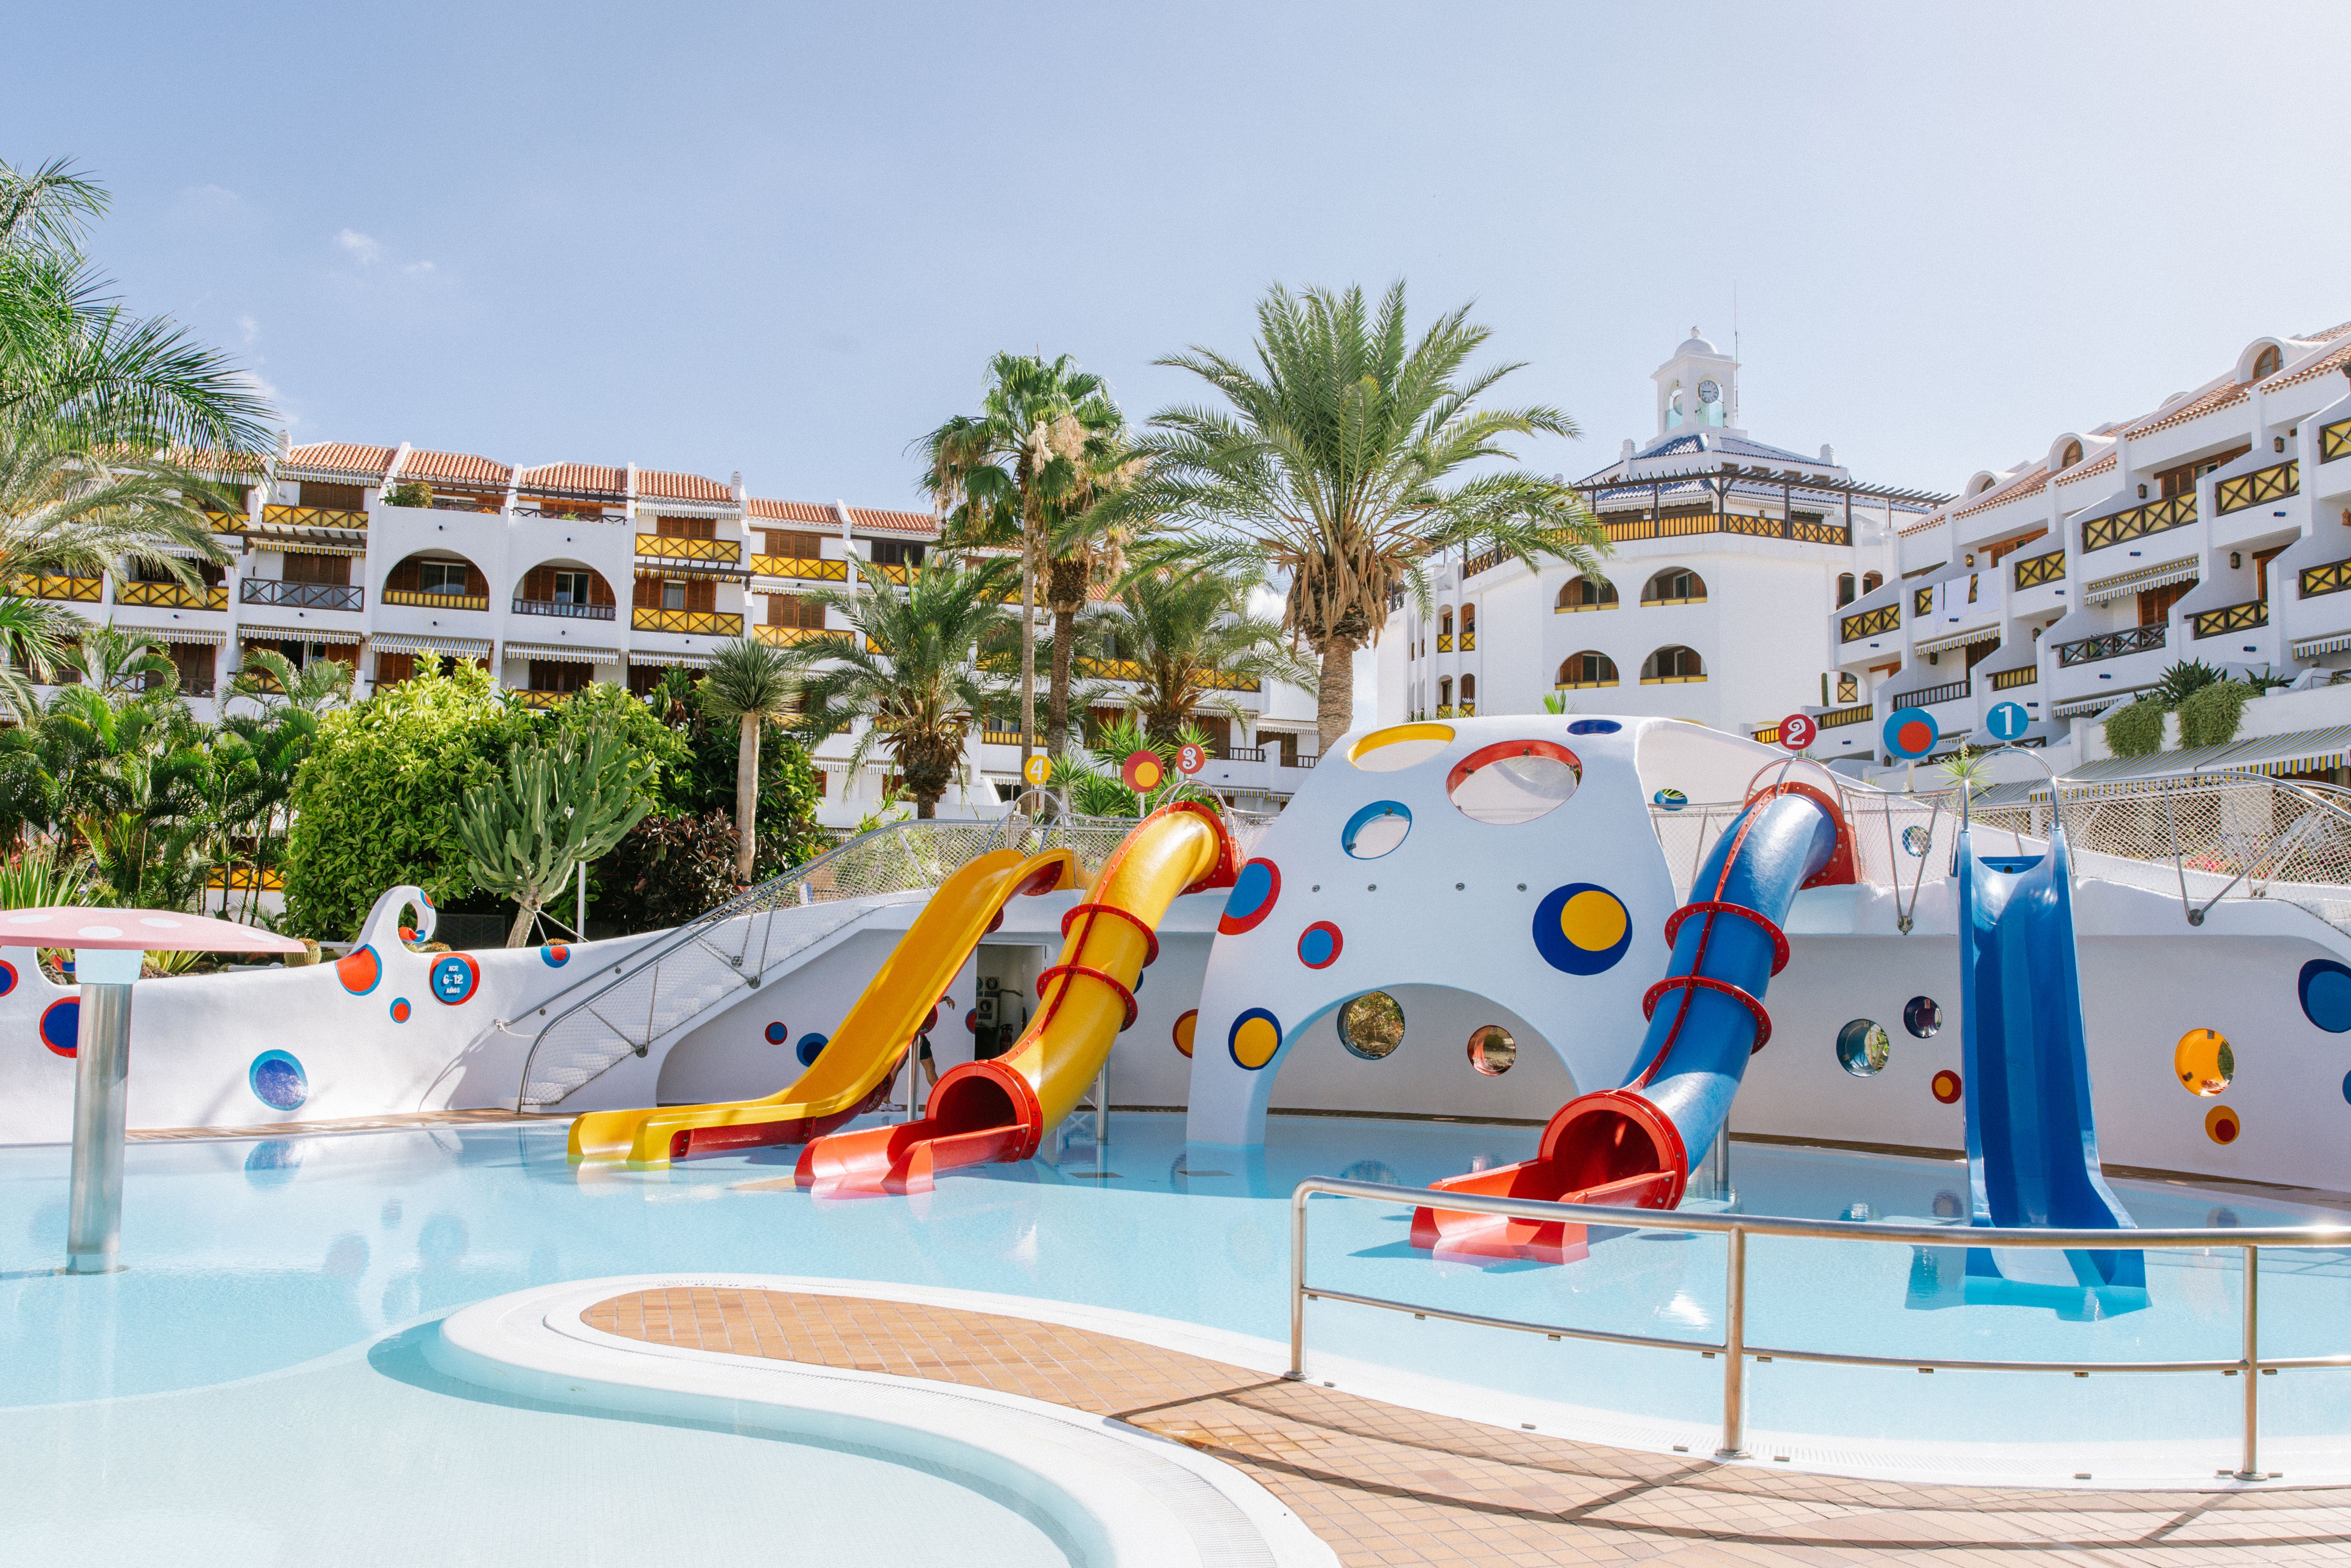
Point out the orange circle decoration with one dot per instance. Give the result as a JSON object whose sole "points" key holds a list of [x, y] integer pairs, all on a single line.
{"points": [[2204, 1062], [1946, 1085], [1184, 1028], [2220, 1124], [358, 970], [1143, 772]]}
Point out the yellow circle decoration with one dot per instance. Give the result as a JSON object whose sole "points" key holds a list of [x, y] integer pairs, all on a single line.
{"points": [[2203, 1062], [1184, 1028], [1592, 920], [2220, 1124], [1257, 1035]]}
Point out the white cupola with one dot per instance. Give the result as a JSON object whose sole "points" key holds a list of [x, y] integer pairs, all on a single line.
{"points": [[1699, 386]]}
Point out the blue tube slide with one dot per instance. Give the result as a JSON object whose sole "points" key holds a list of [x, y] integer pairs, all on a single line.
{"points": [[2033, 1139]]}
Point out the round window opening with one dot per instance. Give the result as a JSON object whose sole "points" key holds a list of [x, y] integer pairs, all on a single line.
{"points": [[1492, 1051], [1864, 1047], [1922, 1016], [1514, 781], [1400, 746], [1375, 830], [1372, 1026], [2204, 1062]]}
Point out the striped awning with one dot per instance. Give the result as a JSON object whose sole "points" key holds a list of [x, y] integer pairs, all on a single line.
{"points": [[562, 653], [250, 633], [175, 633], [2297, 751], [452, 647], [304, 541], [662, 660], [1960, 639], [2122, 584], [2312, 647], [2098, 704]]}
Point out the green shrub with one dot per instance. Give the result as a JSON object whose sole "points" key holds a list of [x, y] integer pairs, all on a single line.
{"points": [[667, 870], [410, 493], [2136, 728], [2182, 681], [2210, 714]]}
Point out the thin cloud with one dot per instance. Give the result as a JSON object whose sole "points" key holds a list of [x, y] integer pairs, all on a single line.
{"points": [[365, 249]]}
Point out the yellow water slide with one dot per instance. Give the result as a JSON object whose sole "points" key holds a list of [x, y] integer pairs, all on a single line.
{"points": [[852, 1072], [1001, 1109]]}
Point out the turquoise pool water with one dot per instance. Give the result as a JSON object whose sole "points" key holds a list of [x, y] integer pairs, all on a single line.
{"points": [[255, 1366]]}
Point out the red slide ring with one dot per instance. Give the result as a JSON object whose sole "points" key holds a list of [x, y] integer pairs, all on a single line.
{"points": [[1779, 937], [1707, 983], [1151, 953], [1111, 980]]}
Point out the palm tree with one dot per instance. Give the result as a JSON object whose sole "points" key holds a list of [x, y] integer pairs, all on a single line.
{"points": [[1341, 464], [1188, 634], [1038, 451], [270, 679], [117, 664], [749, 683], [909, 666], [1089, 528]]}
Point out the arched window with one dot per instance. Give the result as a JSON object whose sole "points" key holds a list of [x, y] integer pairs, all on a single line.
{"points": [[1582, 593], [1469, 619], [2072, 454], [1589, 668], [1675, 585], [1671, 666], [2267, 361], [1844, 588], [1469, 695], [1871, 581], [1445, 694], [1444, 621]]}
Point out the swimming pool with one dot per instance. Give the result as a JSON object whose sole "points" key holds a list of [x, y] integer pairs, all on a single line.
{"points": [[256, 1367]]}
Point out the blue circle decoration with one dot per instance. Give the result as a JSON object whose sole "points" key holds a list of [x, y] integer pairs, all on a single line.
{"points": [[400, 1010], [971, 1020], [2007, 721], [1670, 800], [1910, 732], [1319, 944], [2325, 990], [778, 1033], [556, 954], [456, 978], [279, 1081], [1594, 727], [1384, 813], [1916, 840], [1254, 893], [1582, 929], [7, 976], [2346, 1087], [811, 1046], [61, 1026]]}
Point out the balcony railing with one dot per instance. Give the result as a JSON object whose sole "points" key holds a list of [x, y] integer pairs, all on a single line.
{"points": [[2232, 618], [806, 569], [557, 607], [1801, 531], [1468, 641], [312, 517], [2009, 680], [539, 700], [1672, 680], [170, 596], [2319, 581], [73, 590], [2113, 645], [1132, 670], [693, 622], [662, 546], [788, 636], [2033, 572], [2155, 518], [1444, 710], [1582, 685], [583, 513], [224, 522], [2274, 482], [1484, 561], [1445, 641], [1875, 622], [1241, 754], [439, 601], [1922, 603], [1928, 696], [303, 595], [2335, 441], [1837, 718], [1008, 738]]}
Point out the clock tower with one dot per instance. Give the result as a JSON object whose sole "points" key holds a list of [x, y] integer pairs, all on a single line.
{"points": [[1698, 388]]}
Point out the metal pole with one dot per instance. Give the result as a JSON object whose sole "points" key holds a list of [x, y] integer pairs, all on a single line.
{"points": [[580, 924], [1296, 1372], [1721, 1165], [1101, 1104], [2250, 1469], [1734, 1351], [101, 1084]]}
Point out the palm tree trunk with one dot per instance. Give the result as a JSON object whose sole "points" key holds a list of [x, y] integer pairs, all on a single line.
{"points": [[747, 797], [1056, 705], [524, 915], [1334, 696], [1027, 651]]}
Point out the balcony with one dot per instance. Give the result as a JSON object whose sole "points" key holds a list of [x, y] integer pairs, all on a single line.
{"points": [[2009, 680], [312, 517], [2317, 582], [305, 595], [224, 522], [438, 600], [2035, 572], [2112, 645], [1672, 680], [1922, 603], [792, 636], [1801, 531], [662, 546], [1468, 641], [1445, 641], [1444, 710], [1948, 692], [2335, 441], [690, 623], [538, 607], [1008, 738], [1877, 622], [1308, 759], [2230, 618], [1239, 754], [805, 568], [72, 589], [170, 596], [1837, 718], [1130, 670], [2155, 518], [2260, 487], [539, 701]]}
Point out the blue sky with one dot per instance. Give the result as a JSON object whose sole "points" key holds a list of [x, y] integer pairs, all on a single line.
{"points": [[786, 238]]}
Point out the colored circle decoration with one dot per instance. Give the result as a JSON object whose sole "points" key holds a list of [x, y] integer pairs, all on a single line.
{"points": [[777, 1034], [2346, 1088], [1799, 730], [2220, 1124], [1254, 893], [1670, 800], [556, 955], [1037, 768], [1910, 733], [1376, 829], [2325, 990], [1922, 1016], [1581, 929], [359, 971], [2204, 1062], [1594, 727], [1399, 746], [1183, 1030], [456, 978], [1255, 1035], [279, 1081], [1946, 1085], [811, 1046], [1190, 758], [971, 1020], [1319, 944], [2007, 721], [1143, 772], [400, 1010], [61, 1026], [1916, 840], [7, 976], [1513, 782]]}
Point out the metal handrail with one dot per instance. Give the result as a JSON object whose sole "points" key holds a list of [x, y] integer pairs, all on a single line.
{"points": [[1734, 1346]]}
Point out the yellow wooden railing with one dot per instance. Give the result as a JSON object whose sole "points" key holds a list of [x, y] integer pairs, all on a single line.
{"points": [[539, 700], [1445, 641], [225, 522], [2274, 482], [435, 601], [1875, 622], [2229, 618], [693, 623], [2331, 578], [2033, 572], [312, 517], [2335, 441], [73, 590], [806, 569], [1671, 680], [1468, 641], [2006, 680], [1837, 718], [1922, 603], [2155, 518], [790, 636], [662, 546], [170, 596]]}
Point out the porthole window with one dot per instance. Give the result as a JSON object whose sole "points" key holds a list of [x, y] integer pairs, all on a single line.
{"points": [[1375, 830], [2204, 1062], [1492, 1051], [1403, 745], [1513, 782], [1864, 1047], [1922, 1016], [1372, 1026]]}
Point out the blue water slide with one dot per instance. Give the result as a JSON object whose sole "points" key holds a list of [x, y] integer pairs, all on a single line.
{"points": [[2033, 1139]]}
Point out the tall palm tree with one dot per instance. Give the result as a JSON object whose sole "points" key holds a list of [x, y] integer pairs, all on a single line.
{"points": [[749, 683], [1089, 529], [1349, 456], [1187, 635], [1045, 434], [909, 666]]}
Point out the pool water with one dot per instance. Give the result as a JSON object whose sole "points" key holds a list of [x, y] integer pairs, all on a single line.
{"points": [[252, 1379]]}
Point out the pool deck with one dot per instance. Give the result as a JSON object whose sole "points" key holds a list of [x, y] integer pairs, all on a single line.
{"points": [[1383, 1484]]}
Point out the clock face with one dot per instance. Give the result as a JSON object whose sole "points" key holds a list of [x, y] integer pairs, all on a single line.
{"points": [[1708, 392]]}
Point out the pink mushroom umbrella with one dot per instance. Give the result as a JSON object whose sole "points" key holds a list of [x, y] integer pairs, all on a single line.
{"points": [[108, 945]]}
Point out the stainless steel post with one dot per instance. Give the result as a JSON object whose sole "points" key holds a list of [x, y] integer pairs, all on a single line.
{"points": [[1734, 1350], [1720, 1164], [1297, 1287], [2249, 1469], [580, 924], [1102, 1105], [101, 1097]]}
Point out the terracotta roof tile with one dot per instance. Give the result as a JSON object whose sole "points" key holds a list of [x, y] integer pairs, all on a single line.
{"points": [[2339, 329], [2323, 364], [456, 468], [340, 457], [2104, 464], [657, 486], [2033, 480], [2223, 396], [821, 516], [582, 479], [895, 522]]}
